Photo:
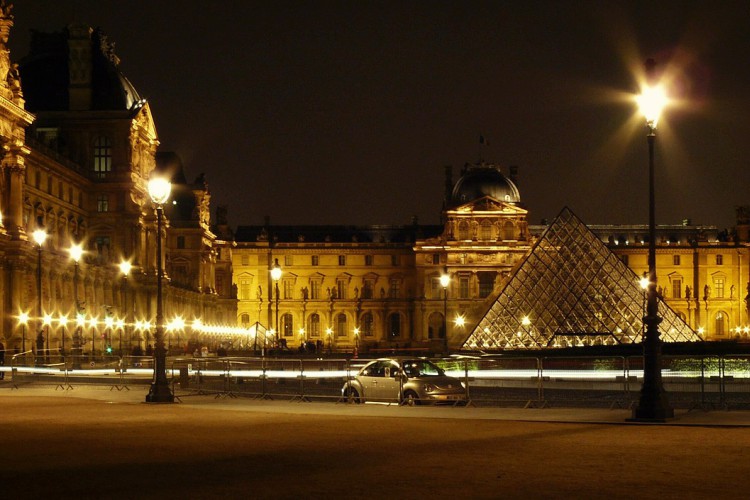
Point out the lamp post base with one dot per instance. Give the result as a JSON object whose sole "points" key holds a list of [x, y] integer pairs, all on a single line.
{"points": [[653, 407], [159, 393]]}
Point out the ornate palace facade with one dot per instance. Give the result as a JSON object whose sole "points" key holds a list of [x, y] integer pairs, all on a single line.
{"points": [[79, 145]]}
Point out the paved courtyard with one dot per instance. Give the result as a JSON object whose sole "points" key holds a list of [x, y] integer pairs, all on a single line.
{"points": [[96, 443]]}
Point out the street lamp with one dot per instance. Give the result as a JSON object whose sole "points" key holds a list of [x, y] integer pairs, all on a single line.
{"points": [[653, 404], [76, 252], [39, 236], [92, 324], [23, 320], [159, 189], [276, 276], [445, 280], [62, 322], [125, 268]]}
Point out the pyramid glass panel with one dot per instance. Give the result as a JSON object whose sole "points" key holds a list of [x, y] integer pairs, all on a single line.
{"points": [[573, 291]]}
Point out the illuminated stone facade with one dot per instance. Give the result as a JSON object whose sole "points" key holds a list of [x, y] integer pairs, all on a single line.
{"points": [[79, 146]]}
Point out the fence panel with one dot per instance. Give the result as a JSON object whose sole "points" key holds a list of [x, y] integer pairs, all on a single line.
{"points": [[596, 381]]}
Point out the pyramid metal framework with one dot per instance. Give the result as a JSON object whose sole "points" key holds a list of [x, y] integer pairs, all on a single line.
{"points": [[571, 290]]}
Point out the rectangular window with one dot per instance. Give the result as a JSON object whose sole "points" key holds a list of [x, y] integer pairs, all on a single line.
{"points": [[341, 289], [314, 260], [244, 289], [719, 287], [367, 289], [181, 242], [624, 259], [288, 260], [102, 156], [394, 291], [436, 258], [288, 289], [676, 260], [342, 260], [245, 259], [102, 203], [463, 288], [676, 287], [315, 290], [486, 283], [436, 291], [368, 260], [719, 260], [394, 260]]}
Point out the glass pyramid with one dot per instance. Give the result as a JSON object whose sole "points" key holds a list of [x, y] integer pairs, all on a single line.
{"points": [[571, 290]]}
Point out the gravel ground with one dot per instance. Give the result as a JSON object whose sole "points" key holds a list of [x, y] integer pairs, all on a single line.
{"points": [[109, 445]]}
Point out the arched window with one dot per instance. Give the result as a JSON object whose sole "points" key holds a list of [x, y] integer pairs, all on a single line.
{"points": [[287, 323], [102, 156], [394, 325], [341, 325], [313, 325], [486, 230], [463, 230], [245, 320], [367, 325], [721, 323], [435, 326]]}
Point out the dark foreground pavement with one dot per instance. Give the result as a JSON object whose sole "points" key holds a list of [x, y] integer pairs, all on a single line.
{"points": [[95, 443]]}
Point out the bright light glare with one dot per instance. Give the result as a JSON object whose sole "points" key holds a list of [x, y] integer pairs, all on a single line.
{"points": [[159, 189], [80, 319], [460, 320], [525, 321], [652, 102], [644, 282], [125, 267], [47, 319], [40, 236], [109, 321], [23, 318], [445, 280], [62, 320], [76, 252]]}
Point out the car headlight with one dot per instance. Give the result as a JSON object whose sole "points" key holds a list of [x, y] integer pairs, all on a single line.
{"points": [[429, 388]]}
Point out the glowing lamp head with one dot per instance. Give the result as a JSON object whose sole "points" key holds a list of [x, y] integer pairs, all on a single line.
{"points": [[109, 321], [643, 282], [80, 320], [651, 103], [159, 189], [120, 323], [23, 318], [125, 267], [76, 252], [276, 271], [40, 236], [525, 321], [47, 320], [445, 280]]}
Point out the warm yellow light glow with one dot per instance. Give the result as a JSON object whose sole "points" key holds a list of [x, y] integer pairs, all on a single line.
{"points": [[197, 324], [356, 331], [80, 320], [176, 324], [120, 323], [301, 332], [109, 321], [460, 320], [329, 330], [76, 252], [700, 330], [146, 325], [651, 103], [525, 321], [159, 189], [643, 282], [63, 320], [47, 320], [92, 322], [276, 271], [125, 267], [23, 318], [445, 280], [40, 236]]}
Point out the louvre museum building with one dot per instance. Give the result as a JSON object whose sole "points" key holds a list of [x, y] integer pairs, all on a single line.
{"points": [[80, 144]]}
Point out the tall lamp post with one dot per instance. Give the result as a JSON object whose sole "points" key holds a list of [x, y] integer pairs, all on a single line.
{"points": [[445, 280], [159, 189], [125, 268], [39, 236], [23, 319], [76, 252], [653, 404], [276, 276]]}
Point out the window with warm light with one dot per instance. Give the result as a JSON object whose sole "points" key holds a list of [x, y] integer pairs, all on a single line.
{"points": [[102, 203], [463, 287], [287, 324], [676, 288], [367, 325], [341, 325], [313, 325], [676, 260], [719, 260], [315, 290], [719, 287], [394, 291], [102, 156]]}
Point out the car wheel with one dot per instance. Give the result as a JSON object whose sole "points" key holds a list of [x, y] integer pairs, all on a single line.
{"points": [[410, 398], [353, 396]]}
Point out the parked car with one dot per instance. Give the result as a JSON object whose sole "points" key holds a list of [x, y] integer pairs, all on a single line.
{"points": [[405, 380]]}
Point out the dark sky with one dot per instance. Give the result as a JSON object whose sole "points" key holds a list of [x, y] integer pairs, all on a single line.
{"points": [[319, 112]]}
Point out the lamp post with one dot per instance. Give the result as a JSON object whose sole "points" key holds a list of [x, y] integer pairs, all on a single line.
{"points": [[159, 189], [653, 404], [643, 282], [40, 236], [125, 268], [76, 252], [92, 324], [445, 280], [276, 276], [62, 322], [23, 319]]}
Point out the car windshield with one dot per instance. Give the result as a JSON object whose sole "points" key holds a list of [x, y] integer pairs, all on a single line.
{"points": [[421, 368]]}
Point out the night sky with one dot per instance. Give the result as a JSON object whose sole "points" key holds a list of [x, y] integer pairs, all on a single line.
{"points": [[321, 112]]}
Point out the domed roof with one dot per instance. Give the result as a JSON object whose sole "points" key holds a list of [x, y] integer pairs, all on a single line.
{"points": [[478, 181], [46, 72]]}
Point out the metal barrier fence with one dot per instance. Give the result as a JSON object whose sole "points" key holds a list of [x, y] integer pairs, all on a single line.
{"points": [[706, 382]]}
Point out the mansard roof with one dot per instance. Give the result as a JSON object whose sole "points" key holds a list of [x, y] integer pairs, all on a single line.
{"points": [[336, 234]]}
